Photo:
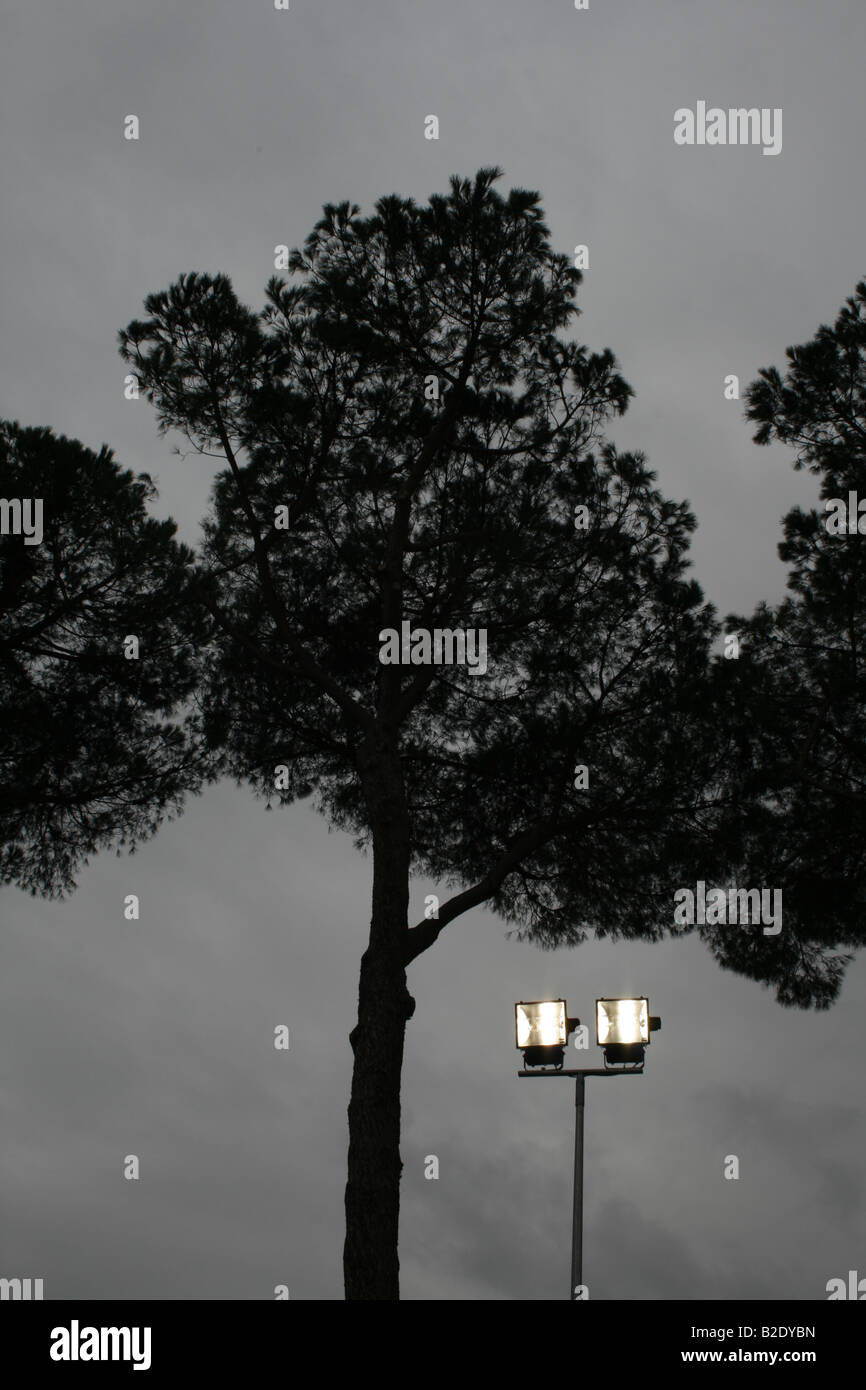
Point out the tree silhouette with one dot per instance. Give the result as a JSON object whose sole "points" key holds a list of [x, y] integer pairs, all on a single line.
{"points": [[92, 751], [798, 706], [406, 437]]}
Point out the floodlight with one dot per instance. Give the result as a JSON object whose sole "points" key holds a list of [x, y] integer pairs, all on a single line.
{"points": [[541, 1024], [541, 1030], [623, 1028], [621, 1021]]}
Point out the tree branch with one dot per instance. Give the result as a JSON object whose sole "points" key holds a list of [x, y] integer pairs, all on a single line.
{"points": [[424, 933]]}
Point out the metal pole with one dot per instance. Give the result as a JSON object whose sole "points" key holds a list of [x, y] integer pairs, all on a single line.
{"points": [[577, 1213]]}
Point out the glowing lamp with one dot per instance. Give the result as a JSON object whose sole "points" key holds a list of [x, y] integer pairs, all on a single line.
{"points": [[541, 1030], [623, 1028]]}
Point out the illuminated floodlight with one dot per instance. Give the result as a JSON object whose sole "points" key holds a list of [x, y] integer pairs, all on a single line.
{"points": [[541, 1030], [623, 1028], [541, 1024], [621, 1021]]}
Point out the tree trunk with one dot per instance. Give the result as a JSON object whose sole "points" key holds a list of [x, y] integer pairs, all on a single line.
{"points": [[370, 1260]]}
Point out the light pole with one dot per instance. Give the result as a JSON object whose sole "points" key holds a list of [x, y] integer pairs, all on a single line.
{"points": [[542, 1027], [577, 1198]]}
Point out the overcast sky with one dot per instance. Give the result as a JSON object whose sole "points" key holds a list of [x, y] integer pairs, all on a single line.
{"points": [[155, 1037]]}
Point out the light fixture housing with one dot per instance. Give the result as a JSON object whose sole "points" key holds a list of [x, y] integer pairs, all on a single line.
{"points": [[621, 1021], [541, 1029], [542, 1023], [623, 1028]]}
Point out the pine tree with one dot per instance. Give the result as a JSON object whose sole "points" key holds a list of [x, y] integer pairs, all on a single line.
{"points": [[96, 747], [798, 704]]}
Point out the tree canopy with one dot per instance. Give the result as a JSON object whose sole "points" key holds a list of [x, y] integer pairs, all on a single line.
{"points": [[96, 746], [800, 710], [456, 512]]}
